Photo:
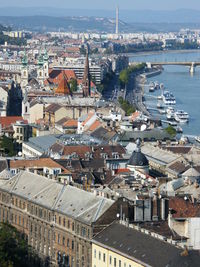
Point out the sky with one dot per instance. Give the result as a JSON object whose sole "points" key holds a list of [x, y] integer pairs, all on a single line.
{"points": [[106, 4]]}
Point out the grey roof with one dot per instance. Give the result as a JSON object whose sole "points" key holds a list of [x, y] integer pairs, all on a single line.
{"points": [[71, 201], [159, 155], [42, 143], [150, 135], [6, 174], [191, 172], [138, 159], [144, 249]]}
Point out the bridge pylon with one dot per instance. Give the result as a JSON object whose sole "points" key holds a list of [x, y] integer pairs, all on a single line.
{"points": [[192, 68]]}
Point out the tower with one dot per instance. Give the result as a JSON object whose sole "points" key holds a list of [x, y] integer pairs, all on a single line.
{"points": [[40, 70], [24, 71], [46, 65], [117, 20], [86, 77]]}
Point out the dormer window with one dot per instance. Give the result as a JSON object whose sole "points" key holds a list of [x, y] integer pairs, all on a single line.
{"points": [[104, 155], [115, 155]]}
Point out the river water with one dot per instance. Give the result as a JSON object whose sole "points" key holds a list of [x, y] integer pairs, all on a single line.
{"points": [[178, 80]]}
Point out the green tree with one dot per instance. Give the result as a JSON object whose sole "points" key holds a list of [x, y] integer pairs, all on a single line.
{"points": [[171, 130], [8, 146], [124, 77], [14, 250]]}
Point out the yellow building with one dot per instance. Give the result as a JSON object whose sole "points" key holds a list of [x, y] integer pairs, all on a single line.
{"points": [[122, 246], [107, 257]]}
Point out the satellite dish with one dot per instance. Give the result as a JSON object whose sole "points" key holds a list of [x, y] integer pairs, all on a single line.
{"points": [[19, 153], [143, 127]]}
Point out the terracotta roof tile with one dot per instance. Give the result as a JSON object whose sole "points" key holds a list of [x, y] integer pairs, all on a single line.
{"points": [[182, 208], [71, 123], [94, 126], [63, 86], [7, 121], [36, 163]]}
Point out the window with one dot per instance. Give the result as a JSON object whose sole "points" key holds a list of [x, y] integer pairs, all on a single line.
{"points": [[63, 241], [72, 226], [120, 263], [124, 264], [115, 262], [95, 253], [58, 238], [68, 242], [64, 222], [72, 245], [59, 220], [99, 255], [104, 257], [110, 260]]}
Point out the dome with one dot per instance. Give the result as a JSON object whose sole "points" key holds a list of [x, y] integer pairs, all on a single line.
{"points": [[138, 159]]}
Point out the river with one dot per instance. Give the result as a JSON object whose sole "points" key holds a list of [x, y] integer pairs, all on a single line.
{"points": [[178, 80]]}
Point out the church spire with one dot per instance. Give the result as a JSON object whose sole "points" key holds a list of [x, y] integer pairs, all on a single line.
{"points": [[86, 77]]}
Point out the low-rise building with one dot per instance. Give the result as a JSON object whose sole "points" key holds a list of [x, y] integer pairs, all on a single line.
{"points": [[122, 246]]}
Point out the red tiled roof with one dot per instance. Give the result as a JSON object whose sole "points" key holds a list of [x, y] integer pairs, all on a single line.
{"points": [[71, 123], [63, 87], [178, 149], [79, 150], [56, 76], [36, 163], [94, 126], [182, 208], [7, 121]]}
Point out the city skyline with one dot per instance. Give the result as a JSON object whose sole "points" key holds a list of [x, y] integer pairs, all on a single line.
{"points": [[89, 4]]}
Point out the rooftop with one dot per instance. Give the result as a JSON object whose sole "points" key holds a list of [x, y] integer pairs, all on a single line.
{"points": [[73, 202], [143, 248]]}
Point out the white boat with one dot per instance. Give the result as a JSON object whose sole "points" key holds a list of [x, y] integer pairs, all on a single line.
{"points": [[157, 85], [168, 98], [181, 116], [170, 113], [152, 87], [162, 111], [197, 138]]}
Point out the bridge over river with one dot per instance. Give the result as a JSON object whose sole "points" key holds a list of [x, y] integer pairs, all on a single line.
{"points": [[191, 65]]}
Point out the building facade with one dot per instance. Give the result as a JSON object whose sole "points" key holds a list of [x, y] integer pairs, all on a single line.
{"points": [[59, 221]]}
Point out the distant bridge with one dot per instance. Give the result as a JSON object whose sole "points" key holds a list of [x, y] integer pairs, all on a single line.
{"points": [[192, 65]]}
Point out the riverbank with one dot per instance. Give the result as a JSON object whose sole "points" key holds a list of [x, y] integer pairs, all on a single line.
{"points": [[152, 53], [152, 73], [138, 94], [183, 85]]}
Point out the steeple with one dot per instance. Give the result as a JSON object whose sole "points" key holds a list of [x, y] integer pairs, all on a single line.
{"points": [[86, 77], [63, 87], [40, 60], [46, 56], [24, 59]]}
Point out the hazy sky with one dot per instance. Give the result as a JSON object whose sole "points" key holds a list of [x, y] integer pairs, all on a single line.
{"points": [[106, 4]]}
